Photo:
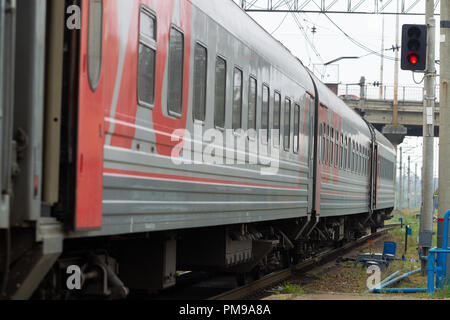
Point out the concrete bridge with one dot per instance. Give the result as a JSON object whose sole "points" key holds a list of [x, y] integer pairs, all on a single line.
{"points": [[365, 100], [379, 113]]}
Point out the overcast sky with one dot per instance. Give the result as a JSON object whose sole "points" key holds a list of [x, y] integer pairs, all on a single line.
{"points": [[330, 43]]}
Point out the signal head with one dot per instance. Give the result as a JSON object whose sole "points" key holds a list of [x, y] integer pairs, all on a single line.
{"points": [[414, 46]]}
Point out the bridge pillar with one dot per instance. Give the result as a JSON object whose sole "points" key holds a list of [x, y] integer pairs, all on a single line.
{"points": [[395, 133]]}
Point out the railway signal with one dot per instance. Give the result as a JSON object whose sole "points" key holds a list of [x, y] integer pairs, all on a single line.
{"points": [[414, 47]]}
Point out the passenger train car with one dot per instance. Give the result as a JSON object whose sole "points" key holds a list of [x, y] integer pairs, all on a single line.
{"points": [[144, 137]]}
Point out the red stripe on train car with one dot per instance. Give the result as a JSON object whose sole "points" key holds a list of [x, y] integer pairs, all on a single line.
{"points": [[160, 176]]}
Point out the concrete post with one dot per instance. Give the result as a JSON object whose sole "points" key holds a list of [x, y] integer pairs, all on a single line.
{"points": [[444, 118], [400, 180], [426, 218], [415, 187], [409, 182], [395, 106]]}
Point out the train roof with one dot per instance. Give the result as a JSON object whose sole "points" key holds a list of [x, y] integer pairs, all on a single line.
{"points": [[236, 21]]}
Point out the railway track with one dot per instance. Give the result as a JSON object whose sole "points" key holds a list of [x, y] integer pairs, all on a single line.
{"points": [[276, 277]]}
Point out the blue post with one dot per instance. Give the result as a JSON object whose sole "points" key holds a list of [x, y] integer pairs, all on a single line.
{"points": [[430, 267], [442, 257]]}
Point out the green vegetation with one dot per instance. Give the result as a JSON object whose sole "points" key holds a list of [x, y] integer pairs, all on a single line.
{"points": [[290, 288]]}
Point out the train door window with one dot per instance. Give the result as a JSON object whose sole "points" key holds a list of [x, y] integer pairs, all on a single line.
{"points": [[265, 114], [331, 146], [276, 119], [252, 98], [237, 99], [342, 152], [220, 91], [200, 68], [287, 125], [147, 59], [175, 73], [94, 55], [296, 128]]}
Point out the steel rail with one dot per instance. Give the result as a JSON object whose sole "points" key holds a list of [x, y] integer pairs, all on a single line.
{"points": [[275, 277]]}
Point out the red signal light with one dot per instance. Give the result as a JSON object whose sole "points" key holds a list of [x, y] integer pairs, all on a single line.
{"points": [[413, 58]]}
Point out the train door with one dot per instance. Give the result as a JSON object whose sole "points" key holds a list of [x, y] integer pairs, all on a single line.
{"points": [[311, 117], [90, 135], [374, 182], [7, 39]]}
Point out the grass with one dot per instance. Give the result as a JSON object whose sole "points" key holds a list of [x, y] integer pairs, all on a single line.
{"points": [[290, 288]]}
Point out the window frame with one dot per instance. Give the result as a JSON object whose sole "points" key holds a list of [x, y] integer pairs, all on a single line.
{"points": [[265, 85], [170, 112], [296, 145], [238, 68], [198, 43], [288, 149], [277, 93], [150, 44], [218, 56], [252, 77]]}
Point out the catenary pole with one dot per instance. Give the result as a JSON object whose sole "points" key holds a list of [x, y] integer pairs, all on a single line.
{"points": [[426, 218], [444, 121]]}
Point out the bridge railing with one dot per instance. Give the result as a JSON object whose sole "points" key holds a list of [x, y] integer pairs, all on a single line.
{"points": [[405, 93]]}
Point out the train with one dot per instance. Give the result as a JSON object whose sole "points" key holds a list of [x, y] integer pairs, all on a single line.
{"points": [[144, 138]]}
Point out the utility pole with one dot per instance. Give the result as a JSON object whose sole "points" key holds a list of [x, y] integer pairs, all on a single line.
{"points": [[444, 121], [415, 186], [426, 218], [395, 106], [409, 181], [400, 180], [382, 56]]}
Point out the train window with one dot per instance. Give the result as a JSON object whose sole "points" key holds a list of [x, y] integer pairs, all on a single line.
{"points": [[276, 119], [265, 114], [175, 73], [296, 127], [327, 134], [336, 153], [341, 164], [200, 67], [237, 99], [331, 146], [357, 159], [252, 98], [287, 124], [352, 160], [220, 91], [349, 162], [94, 53], [322, 132], [345, 154], [360, 160]]}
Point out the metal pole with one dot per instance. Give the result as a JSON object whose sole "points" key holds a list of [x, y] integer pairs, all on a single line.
{"points": [[444, 119], [382, 56], [409, 177], [400, 180], [395, 106], [415, 186], [426, 218]]}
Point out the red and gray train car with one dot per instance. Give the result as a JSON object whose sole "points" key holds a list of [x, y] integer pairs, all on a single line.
{"points": [[108, 112]]}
